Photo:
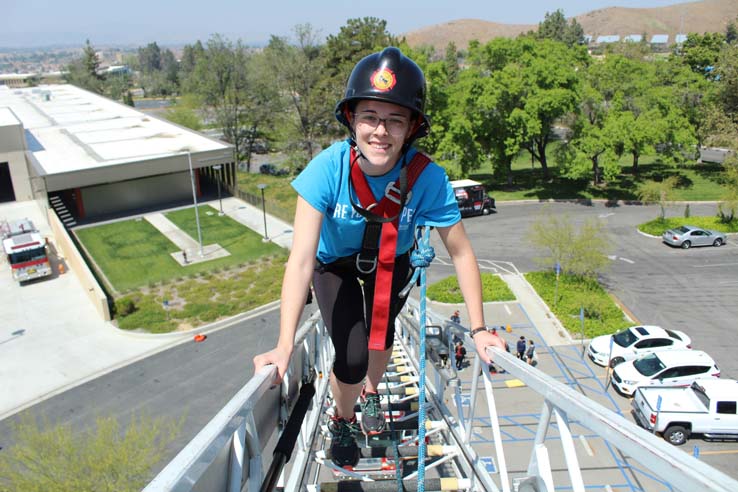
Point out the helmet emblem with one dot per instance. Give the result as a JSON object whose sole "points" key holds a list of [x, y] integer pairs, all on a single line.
{"points": [[383, 79]]}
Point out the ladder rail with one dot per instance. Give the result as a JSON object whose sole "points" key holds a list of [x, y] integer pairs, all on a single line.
{"points": [[228, 453], [686, 473]]}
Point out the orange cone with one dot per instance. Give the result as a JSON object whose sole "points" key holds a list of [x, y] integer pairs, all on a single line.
{"points": [[61, 268], [200, 337]]}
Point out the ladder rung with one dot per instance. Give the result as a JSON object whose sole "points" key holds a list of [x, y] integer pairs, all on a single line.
{"points": [[431, 484]]}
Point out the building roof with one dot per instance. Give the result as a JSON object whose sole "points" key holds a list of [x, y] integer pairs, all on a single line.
{"points": [[608, 39], [634, 38], [7, 117], [680, 38], [69, 129], [660, 38]]}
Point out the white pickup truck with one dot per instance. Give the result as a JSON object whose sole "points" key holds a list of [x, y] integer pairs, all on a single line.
{"points": [[706, 407]]}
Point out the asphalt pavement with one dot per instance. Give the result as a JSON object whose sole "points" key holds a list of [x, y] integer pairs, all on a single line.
{"points": [[53, 340], [51, 337]]}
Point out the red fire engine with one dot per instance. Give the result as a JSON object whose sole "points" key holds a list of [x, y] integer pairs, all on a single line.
{"points": [[25, 249]]}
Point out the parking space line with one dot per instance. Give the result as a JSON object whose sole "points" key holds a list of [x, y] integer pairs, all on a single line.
{"points": [[724, 451]]}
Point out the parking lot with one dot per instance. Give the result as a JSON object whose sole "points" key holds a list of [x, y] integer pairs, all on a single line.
{"points": [[602, 464]]}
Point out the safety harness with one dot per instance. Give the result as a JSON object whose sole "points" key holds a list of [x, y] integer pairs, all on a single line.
{"points": [[379, 244]]}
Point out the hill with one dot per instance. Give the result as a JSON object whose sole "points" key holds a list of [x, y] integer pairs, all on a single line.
{"points": [[700, 17]]}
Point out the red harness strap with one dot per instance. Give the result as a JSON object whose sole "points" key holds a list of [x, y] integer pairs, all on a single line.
{"points": [[388, 206]]}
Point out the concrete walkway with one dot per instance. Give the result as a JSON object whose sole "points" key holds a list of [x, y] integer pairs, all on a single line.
{"points": [[190, 252], [537, 310], [277, 230]]}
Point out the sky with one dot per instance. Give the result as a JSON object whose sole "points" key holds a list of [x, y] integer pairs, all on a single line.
{"points": [[32, 23]]}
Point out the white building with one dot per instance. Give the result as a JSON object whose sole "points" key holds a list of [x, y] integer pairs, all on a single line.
{"points": [[62, 144]]}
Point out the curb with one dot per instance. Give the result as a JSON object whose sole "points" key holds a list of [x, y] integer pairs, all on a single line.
{"points": [[203, 329], [183, 337]]}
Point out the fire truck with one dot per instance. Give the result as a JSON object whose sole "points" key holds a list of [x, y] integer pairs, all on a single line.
{"points": [[25, 249]]}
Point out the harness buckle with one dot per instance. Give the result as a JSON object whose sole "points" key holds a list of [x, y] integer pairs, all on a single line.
{"points": [[371, 262]]}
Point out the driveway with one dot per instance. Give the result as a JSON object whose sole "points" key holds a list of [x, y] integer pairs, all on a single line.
{"points": [[51, 337]]}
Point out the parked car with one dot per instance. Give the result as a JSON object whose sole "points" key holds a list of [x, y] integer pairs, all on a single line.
{"points": [[472, 197], [670, 368], [635, 342], [272, 170], [706, 407], [688, 236]]}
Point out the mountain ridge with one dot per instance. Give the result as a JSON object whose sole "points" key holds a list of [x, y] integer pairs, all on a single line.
{"points": [[699, 17]]}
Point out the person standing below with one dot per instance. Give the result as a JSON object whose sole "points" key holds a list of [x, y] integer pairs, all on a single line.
{"points": [[530, 354], [455, 317], [520, 346], [460, 354], [343, 194]]}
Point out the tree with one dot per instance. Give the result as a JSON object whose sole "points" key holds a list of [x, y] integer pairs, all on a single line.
{"points": [[578, 251], [355, 40], [106, 458], [701, 51], [184, 113], [451, 63], [118, 86], [84, 71], [190, 55], [297, 71], [554, 27], [727, 208], [661, 192], [550, 73], [149, 58], [170, 68], [731, 32], [727, 80], [221, 81]]}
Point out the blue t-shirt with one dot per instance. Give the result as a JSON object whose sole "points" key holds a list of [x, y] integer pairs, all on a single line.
{"points": [[324, 184]]}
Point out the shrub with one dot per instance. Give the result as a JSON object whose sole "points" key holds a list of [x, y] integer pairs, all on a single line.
{"points": [[124, 306], [447, 290]]}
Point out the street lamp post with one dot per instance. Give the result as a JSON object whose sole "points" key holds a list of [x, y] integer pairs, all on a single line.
{"points": [[219, 168], [194, 199], [261, 186]]}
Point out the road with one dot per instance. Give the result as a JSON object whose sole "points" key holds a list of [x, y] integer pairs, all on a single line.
{"points": [[694, 290], [190, 381]]}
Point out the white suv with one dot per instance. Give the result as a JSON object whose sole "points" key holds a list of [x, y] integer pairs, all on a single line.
{"points": [[635, 342], [670, 368]]}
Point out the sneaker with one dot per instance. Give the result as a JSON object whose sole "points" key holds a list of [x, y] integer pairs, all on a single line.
{"points": [[344, 450], [372, 416]]}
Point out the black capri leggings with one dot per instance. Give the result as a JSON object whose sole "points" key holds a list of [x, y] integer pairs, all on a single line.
{"points": [[347, 312]]}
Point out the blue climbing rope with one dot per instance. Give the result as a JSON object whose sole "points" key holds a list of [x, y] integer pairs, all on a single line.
{"points": [[421, 258]]}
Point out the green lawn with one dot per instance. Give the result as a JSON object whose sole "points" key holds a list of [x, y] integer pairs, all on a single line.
{"points": [[133, 253], [697, 182], [135, 257], [658, 226], [447, 290], [601, 315]]}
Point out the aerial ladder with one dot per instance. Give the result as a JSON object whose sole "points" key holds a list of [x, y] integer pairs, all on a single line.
{"points": [[269, 438]]}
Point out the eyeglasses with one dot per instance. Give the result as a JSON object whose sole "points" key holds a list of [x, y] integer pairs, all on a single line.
{"points": [[394, 125]]}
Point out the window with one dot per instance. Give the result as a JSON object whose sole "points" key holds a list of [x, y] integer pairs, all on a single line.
{"points": [[727, 407], [674, 372], [694, 370], [661, 342], [624, 338], [673, 335]]}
